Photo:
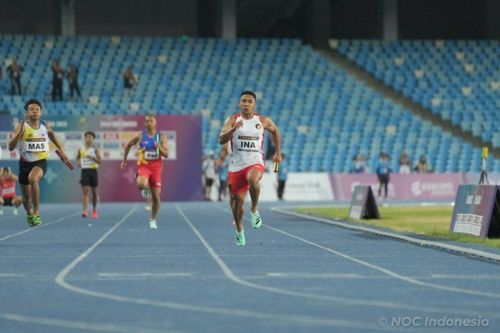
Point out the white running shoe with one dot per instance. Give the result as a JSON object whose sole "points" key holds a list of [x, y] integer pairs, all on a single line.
{"points": [[15, 211], [147, 208], [152, 224]]}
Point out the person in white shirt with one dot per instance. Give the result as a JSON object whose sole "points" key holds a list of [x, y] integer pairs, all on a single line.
{"points": [[88, 159], [32, 136], [209, 172], [245, 133]]}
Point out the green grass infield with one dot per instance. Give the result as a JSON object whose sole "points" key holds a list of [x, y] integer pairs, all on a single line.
{"points": [[433, 221]]}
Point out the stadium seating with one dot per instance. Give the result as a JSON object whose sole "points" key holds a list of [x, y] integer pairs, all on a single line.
{"points": [[458, 80], [325, 115]]}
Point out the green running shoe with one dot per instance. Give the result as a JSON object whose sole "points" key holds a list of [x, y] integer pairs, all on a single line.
{"points": [[145, 193], [240, 238], [30, 219], [37, 220], [255, 219]]}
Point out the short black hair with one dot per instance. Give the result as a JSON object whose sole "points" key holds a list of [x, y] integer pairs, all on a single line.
{"points": [[32, 101], [89, 133], [248, 92]]}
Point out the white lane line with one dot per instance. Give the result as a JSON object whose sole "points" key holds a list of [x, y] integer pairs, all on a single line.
{"points": [[81, 325], [10, 275], [143, 275], [348, 276], [387, 271], [272, 317], [41, 226], [314, 276], [421, 242], [233, 277], [366, 302], [62, 274], [465, 277]]}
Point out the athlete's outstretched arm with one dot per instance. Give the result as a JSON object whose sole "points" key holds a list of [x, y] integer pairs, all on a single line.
{"points": [[16, 134], [78, 162], [163, 148], [222, 154], [53, 138], [271, 127], [230, 126], [129, 145]]}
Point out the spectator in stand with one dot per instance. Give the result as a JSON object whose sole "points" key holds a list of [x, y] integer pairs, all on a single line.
{"points": [[129, 80], [73, 81], [404, 163], [422, 166], [383, 172], [359, 164], [57, 81], [14, 70]]}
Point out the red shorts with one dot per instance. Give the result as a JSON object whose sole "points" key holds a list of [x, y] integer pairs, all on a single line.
{"points": [[152, 173], [238, 182]]}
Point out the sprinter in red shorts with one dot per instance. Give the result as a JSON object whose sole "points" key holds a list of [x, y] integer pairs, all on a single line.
{"points": [[152, 146], [8, 191], [245, 133]]}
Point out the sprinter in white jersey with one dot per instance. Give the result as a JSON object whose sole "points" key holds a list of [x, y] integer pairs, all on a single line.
{"points": [[88, 159], [245, 133], [32, 136]]}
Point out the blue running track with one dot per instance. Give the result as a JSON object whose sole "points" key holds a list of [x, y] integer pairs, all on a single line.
{"points": [[115, 274]]}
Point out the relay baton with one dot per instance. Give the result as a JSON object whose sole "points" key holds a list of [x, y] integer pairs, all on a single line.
{"points": [[64, 159], [276, 166]]}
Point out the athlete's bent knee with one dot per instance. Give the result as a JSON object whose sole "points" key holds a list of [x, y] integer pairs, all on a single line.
{"points": [[142, 183], [253, 182]]}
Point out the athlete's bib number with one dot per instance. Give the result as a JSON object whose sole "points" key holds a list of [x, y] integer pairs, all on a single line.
{"points": [[87, 162], [9, 190], [150, 155], [35, 147]]}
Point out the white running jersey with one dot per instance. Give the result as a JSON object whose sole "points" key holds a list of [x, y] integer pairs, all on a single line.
{"points": [[34, 143], [246, 144]]}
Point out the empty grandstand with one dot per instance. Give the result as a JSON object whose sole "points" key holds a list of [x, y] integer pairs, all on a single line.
{"points": [[326, 115]]}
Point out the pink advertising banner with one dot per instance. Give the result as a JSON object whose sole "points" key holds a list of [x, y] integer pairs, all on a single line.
{"points": [[182, 171], [418, 187]]}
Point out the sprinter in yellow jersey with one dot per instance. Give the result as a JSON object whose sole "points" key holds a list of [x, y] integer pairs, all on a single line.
{"points": [[88, 159], [32, 136]]}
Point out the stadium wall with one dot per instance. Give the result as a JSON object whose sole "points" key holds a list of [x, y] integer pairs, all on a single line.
{"points": [[339, 187]]}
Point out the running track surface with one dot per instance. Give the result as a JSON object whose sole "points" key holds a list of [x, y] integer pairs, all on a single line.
{"points": [[114, 274]]}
